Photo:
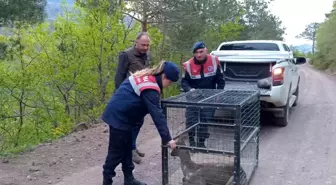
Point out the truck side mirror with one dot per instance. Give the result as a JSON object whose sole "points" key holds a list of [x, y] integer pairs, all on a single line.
{"points": [[300, 60]]}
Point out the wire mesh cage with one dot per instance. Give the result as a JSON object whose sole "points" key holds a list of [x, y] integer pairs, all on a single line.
{"points": [[217, 134]]}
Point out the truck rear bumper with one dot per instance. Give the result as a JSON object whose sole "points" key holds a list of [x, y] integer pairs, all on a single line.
{"points": [[247, 86], [274, 96]]}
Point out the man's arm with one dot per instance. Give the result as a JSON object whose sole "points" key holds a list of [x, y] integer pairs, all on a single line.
{"points": [[220, 77], [152, 100], [185, 81], [122, 70]]}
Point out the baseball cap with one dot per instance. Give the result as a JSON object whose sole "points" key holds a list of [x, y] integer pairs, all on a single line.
{"points": [[171, 71], [198, 45]]}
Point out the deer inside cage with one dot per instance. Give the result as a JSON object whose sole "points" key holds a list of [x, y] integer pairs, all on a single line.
{"points": [[217, 134]]}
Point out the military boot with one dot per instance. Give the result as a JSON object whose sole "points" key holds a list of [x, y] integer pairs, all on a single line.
{"points": [[135, 157], [134, 182], [107, 181], [130, 180]]}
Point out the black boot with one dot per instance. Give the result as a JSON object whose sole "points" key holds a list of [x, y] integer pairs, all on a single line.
{"points": [[130, 180], [107, 181]]}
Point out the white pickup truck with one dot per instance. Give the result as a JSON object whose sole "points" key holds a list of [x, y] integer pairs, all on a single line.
{"points": [[266, 65]]}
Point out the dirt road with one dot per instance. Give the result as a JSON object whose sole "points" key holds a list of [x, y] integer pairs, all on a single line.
{"points": [[303, 153]]}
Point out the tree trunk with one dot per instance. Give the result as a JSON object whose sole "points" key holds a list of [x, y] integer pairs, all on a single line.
{"points": [[313, 49], [144, 16], [144, 26], [165, 30]]}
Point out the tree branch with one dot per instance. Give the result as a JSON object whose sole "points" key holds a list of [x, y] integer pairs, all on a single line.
{"points": [[19, 99], [157, 22], [4, 117], [132, 16]]}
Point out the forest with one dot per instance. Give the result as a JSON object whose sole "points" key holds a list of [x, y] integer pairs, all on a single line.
{"points": [[324, 35], [57, 74]]}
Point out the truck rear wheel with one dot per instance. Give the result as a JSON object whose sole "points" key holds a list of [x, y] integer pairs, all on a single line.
{"points": [[283, 121], [296, 93]]}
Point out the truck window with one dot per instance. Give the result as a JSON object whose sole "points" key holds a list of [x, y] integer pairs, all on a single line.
{"points": [[285, 47], [251, 46]]}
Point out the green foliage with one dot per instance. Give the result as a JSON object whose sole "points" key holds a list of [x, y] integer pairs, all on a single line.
{"points": [[201, 20], [172, 90], [298, 53], [156, 37], [326, 43], [225, 32], [310, 31], [309, 55], [53, 79], [260, 23], [27, 118], [29, 11]]}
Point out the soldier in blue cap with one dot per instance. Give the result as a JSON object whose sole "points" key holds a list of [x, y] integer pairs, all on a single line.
{"points": [[137, 96], [203, 71]]}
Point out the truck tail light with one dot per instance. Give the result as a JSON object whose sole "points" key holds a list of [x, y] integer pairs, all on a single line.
{"points": [[278, 76]]}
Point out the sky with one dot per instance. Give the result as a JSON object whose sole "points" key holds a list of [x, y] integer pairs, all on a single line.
{"points": [[296, 14]]}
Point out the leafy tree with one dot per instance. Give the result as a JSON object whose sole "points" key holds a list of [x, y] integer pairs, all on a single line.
{"points": [[29, 11], [113, 5], [310, 33], [56, 77], [20, 90], [146, 11], [260, 23], [209, 21], [325, 42], [332, 12]]}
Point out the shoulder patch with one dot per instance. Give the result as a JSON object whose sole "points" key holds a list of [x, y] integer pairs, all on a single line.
{"points": [[140, 84]]}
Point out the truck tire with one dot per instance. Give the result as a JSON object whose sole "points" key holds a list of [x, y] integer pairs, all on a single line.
{"points": [[283, 121], [296, 93]]}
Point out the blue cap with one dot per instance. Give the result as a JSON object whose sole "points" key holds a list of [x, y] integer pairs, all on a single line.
{"points": [[171, 71], [198, 45]]}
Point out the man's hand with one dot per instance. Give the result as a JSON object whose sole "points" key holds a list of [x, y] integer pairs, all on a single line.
{"points": [[172, 144]]}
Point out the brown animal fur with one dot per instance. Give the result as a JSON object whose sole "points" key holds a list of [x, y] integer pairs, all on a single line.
{"points": [[202, 174]]}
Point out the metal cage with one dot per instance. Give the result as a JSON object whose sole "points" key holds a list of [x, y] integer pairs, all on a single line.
{"points": [[217, 134]]}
